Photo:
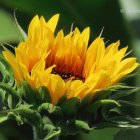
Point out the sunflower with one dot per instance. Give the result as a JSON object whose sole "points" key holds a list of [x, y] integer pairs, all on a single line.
{"points": [[67, 64]]}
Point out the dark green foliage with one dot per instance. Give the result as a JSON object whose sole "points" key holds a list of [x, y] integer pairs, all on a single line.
{"points": [[128, 134]]}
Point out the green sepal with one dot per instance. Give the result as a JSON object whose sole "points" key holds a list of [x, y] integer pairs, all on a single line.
{"points": [[116, 124], [70, 107], [107, 92], [9, 95], [54, 112], [29, 115], [32, 95], [82, 126], [62, 100], [123, 93], [95, 106], [7, 72], [3, 97], [94, 110], [48, 129], [29, 94], [132, 75], [73, 127], [127, 108], [14, 116], [118, 86], [44, 94], [3, 117], [100, 94], [52, 131], [85, 101], [121, 118], [105, 124], [118, 117]]}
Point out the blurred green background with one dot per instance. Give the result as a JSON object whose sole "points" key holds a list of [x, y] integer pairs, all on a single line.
{"points": [[120, 19]]}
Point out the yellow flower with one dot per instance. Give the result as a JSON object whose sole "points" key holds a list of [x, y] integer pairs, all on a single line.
{"points": [[65, 64]]}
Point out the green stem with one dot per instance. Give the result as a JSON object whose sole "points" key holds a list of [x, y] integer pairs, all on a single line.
{"points": [[55, 138], [35, 133]]}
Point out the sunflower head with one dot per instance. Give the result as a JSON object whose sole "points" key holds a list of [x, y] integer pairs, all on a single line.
{"points": [[67, 64]]}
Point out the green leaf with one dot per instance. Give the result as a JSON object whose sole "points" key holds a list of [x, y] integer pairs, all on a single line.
{"points": [[8, 31]]}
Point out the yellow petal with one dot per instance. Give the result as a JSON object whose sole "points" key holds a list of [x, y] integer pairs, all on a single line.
{"points": [[112, 48], [34, 29], [56, 86], [53, 22], [126, 67], [85, 36], [12, 61], [94, 56], [40, 65], [75, 88]]}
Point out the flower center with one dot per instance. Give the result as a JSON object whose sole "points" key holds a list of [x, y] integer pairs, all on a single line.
{"points": [[68, 76]]}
